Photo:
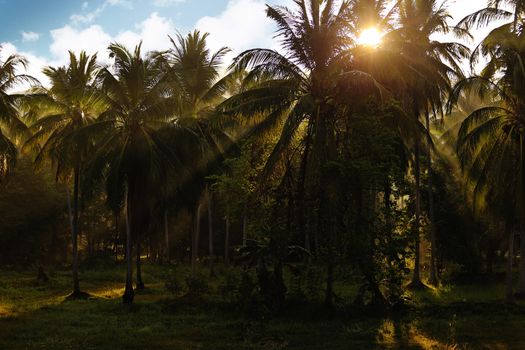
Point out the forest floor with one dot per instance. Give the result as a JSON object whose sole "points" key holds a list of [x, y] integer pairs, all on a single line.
{"points": [[37, 316]]}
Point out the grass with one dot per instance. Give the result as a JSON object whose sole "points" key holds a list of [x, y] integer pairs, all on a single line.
{"points": [[36, 316]]}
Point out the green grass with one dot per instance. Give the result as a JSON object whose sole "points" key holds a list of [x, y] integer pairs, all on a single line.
{"points": [[36, 316]]}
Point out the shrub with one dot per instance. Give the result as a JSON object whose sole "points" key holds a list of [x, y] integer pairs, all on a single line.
{"points": [[173, 284], [197, 284], [238, 287], [313, 284]]}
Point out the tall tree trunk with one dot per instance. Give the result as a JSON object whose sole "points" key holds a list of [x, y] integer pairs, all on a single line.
{"points": [[210, 229], [53, 245], [433, 278], [140, 284], [167, 235], [301, 193], [521, 283], [245, 227], [91, 238], [227, 241], [129, 294], [416, 277], [508, 280], [115, 239], [195, 240], [73, 214], [329, 207], [490, 257]]}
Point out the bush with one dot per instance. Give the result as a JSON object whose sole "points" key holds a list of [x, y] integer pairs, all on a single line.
{"points": [[197, 285], [238, 287], [313, 287], [240, 290], [450, 273], [173, 284]]}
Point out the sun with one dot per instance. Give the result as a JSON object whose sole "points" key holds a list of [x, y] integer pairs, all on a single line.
{"points": [[370, 37]]}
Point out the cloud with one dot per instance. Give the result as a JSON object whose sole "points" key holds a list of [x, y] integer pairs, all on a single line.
{"points": [[92, 40], [241, 26], [30, 36], [153, 32], [89, 17], [35, 65], [166, 3]]}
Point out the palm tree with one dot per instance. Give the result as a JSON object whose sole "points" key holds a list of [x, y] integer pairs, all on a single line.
{"points": [[491, 140], [10, 123], [296, 88], [71, 103], [135, 138], [434, 65], [497, 126], [195, 79], [131, 155]]}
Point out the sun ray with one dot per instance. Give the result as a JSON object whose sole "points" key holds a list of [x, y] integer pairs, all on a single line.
{"points": [[370, 37]]}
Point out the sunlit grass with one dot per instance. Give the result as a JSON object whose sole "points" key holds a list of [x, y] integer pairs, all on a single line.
{"points": [[36, 316]]}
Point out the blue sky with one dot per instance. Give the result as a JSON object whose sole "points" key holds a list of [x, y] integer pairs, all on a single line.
{"points": [[30, 16], [44, 30]]}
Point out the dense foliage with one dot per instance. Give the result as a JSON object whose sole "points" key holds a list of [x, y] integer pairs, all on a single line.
{"points": [[385, 164]]}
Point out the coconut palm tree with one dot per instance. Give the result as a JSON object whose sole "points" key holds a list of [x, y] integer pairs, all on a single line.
{"points": [[435, 65], [72, 102], [500, 79], [10, 123], [195, 78], [296, 89], [491, 140], [130, 155], [139, 143]]}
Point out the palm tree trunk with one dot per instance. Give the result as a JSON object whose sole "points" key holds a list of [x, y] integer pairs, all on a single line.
{"points": [[140, 284], [433, 278], [73, 215], [195, 240], [521, 283], [167, 235], [245, 227], [227, 241], [508, 280], [115, 240], [301, 193], [416, 277], [210, 229], [129, 294], [330, 197]]}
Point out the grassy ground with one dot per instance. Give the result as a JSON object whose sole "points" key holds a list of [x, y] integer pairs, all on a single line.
{"points": [[36, 316]]}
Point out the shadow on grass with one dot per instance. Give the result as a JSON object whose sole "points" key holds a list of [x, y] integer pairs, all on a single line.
{"points": [[439, 319]]}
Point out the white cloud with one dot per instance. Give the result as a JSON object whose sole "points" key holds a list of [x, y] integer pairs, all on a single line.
{"points": [[153, 32], [243, 25], [92, 40], [89, 17], [36, 63], [30, 36], [166, 3]]}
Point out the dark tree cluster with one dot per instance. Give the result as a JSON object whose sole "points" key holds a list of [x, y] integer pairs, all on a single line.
{"points": [[333, 158]]}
